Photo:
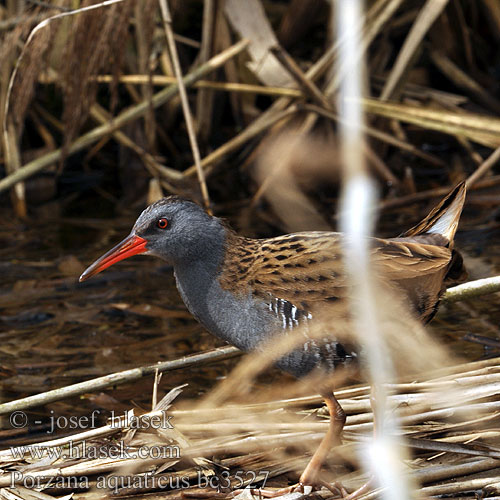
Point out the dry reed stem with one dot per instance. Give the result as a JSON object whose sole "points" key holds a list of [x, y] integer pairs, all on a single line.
{"points": [[487, 164], [377, 17], [11, 152], [314, 73], [167, 25], [463, 486], [266, 119], [472, 289], [426, 18], [155, 168], [205, 97], [383, 459], [307, 85], [202, 84], [144, 15], [434, 193], [315, 93], [479, 128]]}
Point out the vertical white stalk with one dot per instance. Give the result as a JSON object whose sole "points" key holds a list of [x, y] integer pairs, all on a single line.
{"points": [[382, 457]]}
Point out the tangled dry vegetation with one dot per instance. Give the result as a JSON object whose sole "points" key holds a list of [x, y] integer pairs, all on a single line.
{"points": [[206, 452], [95, 118]]}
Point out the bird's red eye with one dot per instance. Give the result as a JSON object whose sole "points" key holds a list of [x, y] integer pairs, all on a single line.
{"points": [[162, 223]]}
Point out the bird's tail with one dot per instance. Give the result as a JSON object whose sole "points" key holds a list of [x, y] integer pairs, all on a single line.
{"points": [[443, 219]]}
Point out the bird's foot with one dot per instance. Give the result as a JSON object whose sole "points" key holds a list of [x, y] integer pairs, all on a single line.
{"points": [[360, 491], [336, 488], [267, 493], [302, 488]]}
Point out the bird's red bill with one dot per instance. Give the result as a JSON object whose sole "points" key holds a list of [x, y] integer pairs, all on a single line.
{"points": [[131, 245]]}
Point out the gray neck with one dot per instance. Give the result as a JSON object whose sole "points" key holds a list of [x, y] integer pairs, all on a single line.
{"points": [[237, 319]]}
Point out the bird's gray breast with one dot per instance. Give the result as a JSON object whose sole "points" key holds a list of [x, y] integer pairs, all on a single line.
{"points": [[252, 323], [237, 319]]}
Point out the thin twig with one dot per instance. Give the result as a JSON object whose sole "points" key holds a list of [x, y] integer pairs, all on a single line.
{"points": [[440, 472], [458, 486], [293, 68]]}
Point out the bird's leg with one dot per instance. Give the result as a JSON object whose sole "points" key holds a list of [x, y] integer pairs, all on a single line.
{"points": [[373, 404], [376, 423], [331, 439]]}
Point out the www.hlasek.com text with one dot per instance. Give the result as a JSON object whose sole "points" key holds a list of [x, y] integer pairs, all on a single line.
{"points": [[117, 450]]}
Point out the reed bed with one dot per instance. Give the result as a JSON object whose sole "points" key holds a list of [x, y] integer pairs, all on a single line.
{"points": [[454, 450]]}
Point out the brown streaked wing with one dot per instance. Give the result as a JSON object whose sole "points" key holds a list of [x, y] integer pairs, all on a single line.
{"points": [[302, 268], [306, 268]]}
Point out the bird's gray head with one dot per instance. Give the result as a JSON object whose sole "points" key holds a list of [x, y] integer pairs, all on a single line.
{"points": [[177, 229], [174, 229]]}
